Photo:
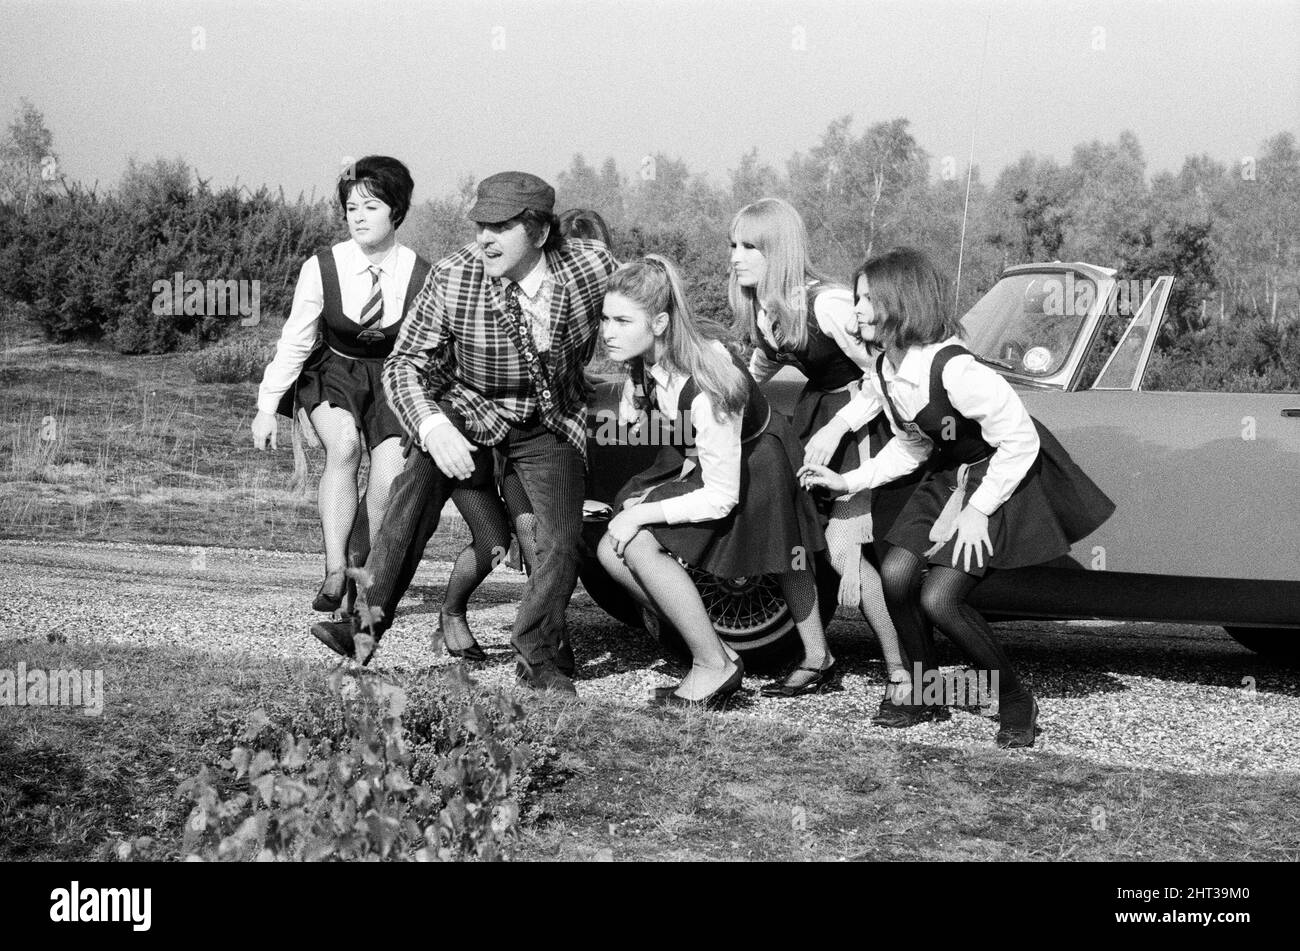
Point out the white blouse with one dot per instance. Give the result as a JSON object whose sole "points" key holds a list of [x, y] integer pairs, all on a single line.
{"points": [[977, 392], [833, 310], [303, 327], [716, 450]]}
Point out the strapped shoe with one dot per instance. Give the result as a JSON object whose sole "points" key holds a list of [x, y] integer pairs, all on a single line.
{"points": [[824, 678], [903, 715]]}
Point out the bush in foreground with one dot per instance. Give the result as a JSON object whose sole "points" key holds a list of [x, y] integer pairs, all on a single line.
{"points": [[366, 772]]}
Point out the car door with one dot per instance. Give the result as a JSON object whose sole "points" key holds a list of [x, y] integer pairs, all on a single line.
{"points": [[1204, 483]]}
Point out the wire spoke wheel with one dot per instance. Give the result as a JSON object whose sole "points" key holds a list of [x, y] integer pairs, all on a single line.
{"points": [[747, 612]]}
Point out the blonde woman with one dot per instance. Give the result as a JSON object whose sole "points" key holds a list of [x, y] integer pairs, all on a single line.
{"points": [[795, 316]]}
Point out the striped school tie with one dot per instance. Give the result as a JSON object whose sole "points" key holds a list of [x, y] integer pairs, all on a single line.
{"points": [[373, 312]]}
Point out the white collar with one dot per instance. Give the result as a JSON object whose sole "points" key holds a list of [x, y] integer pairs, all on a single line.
{"points": [[915, 367], [663, 378], [360, 263], [660, 374], [532, 281]]}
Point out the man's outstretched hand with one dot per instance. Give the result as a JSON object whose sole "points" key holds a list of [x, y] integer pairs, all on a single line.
{"points": [[451, 451]]}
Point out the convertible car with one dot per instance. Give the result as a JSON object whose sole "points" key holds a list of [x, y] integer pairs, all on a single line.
{"points": [[1207, 525]]}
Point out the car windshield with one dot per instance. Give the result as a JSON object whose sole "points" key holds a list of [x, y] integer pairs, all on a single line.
{"points": [[1028, 322]]}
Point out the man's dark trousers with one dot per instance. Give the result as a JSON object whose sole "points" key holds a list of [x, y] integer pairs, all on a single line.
{"points": [[551, 471]]}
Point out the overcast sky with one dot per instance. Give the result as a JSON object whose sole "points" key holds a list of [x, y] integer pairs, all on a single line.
{"points": [[280, 91]]}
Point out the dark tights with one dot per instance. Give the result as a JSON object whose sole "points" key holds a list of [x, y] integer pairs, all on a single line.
{"points": [[939, 600], [521, 513], [485, 516]]}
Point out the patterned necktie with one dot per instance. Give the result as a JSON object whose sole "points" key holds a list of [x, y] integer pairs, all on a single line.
{"points": [[644, 390], [373, 312], [778, 338], [528, 347]]}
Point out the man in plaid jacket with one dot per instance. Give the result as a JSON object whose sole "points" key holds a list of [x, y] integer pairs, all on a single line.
{"points": [[492, 353]]}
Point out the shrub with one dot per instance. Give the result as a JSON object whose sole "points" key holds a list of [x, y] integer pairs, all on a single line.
{"points": [[88, 264], [366, 771], [13, 268], [1240, 355], [232, 361], [701, 257]]}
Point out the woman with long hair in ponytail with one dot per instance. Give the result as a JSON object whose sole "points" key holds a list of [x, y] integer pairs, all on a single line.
{"points": [[721, 496]]}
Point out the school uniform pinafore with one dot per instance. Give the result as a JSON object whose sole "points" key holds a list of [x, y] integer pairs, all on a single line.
{"points": [[1055, 504], [774, 526], [345, 368], [829, 372]]}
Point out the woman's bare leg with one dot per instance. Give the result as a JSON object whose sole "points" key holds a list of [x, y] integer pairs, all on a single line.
{"points": [[617, 569], [674, 595], [337, 495]]}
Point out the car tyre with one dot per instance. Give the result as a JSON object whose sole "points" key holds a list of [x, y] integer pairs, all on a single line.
{"points": [[748, 613]]}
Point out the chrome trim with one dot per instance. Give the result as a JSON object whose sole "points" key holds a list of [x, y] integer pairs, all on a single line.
{"points": [[1158, 301], [1067, 378]]}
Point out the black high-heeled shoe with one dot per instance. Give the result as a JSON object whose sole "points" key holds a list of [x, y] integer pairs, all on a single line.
{"points": [[474, 651], [900, 716], [887, 704], [714, 701], [330, 594], [658, 693], [824, 678], [1014, 736], [903, 715]]}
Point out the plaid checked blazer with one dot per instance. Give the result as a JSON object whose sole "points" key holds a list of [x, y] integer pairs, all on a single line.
{"points": [[455, 345]]}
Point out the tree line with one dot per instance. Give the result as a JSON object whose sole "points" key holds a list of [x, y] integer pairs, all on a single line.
{"points": [[1227, 229]]}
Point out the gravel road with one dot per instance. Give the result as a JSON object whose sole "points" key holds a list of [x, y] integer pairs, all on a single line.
{"points": [[1155, 696]]}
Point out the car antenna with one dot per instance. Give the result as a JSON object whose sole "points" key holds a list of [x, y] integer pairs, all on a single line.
{"points": [[970, 162]]}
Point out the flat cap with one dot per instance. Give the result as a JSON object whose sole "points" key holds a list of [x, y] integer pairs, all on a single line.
{"points": [[502, 196]]}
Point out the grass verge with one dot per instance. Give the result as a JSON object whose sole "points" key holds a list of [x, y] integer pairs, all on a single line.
{"points": [[646, 787], [613, 783], [102, 447]]}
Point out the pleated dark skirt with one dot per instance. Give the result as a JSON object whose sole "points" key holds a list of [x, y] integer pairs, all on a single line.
{"points": [[351, 384], [1054, 505], [773, 528], [813, 410]]}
